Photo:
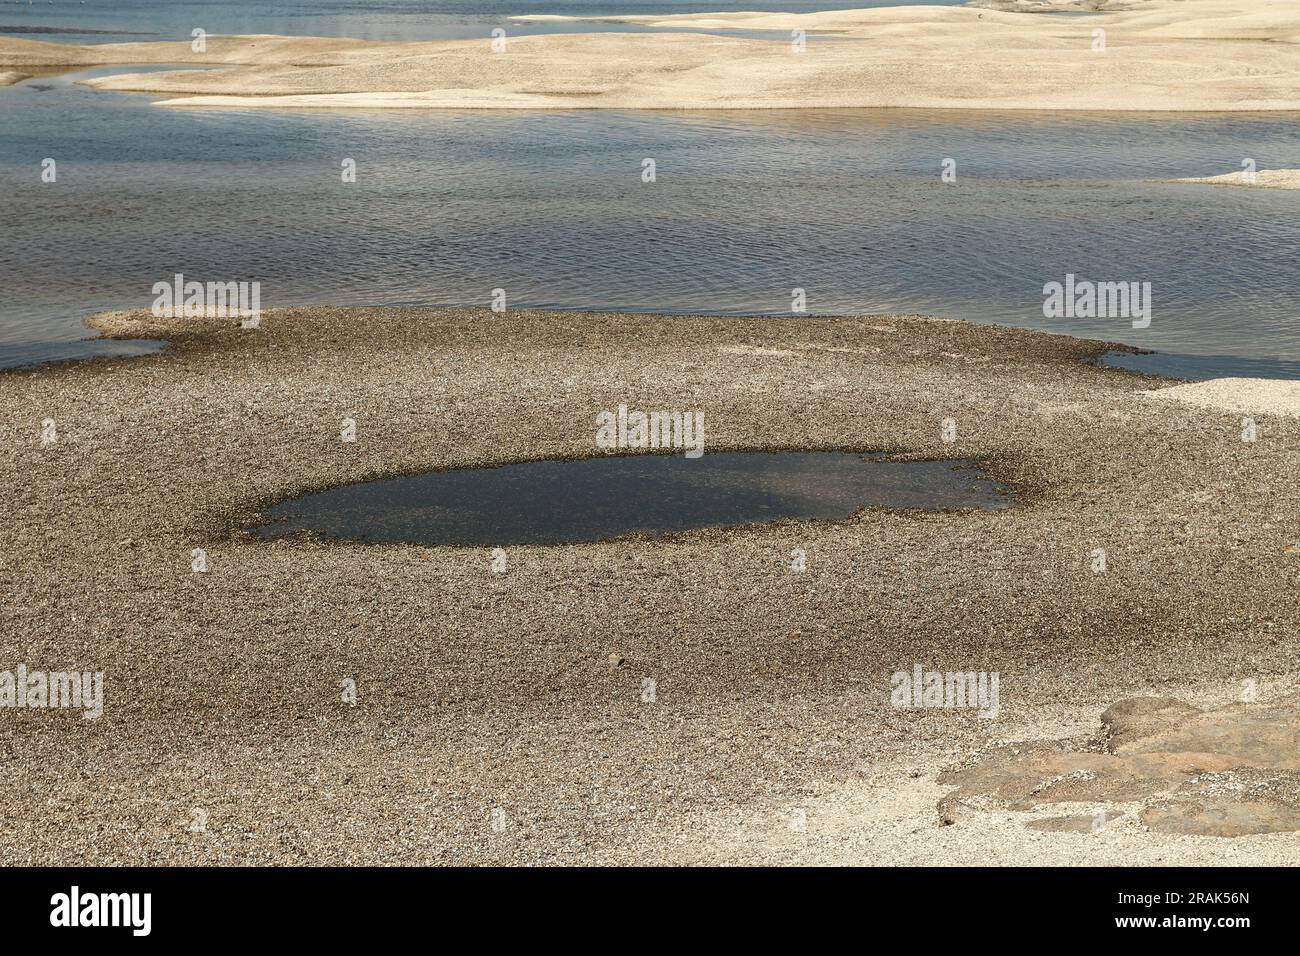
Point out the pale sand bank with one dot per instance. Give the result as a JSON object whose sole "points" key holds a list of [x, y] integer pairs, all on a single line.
{"points": [[1159, 55], [1264, 179], [1249, 396], [10, 77], [1058, 6]]}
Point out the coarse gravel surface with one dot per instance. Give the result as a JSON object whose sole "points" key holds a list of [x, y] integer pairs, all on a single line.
{"points": [[226, 737]]}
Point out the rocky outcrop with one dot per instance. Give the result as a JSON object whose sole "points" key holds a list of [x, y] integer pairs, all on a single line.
{"points": [[1225, 772]]}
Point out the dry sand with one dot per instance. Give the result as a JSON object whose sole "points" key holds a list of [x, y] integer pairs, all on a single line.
{"points": [[1058, 6], [1263, 179], [476, 690], [1248, 396], [1159, 55]]}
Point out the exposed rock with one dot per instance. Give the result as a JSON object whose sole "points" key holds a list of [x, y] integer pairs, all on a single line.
{"points": [[1225, 772], [1140, 717], [1250, 735]]}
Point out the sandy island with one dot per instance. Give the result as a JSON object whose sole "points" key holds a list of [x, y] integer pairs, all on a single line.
{"points": [[1262, 179], [523, 690], [1158, 55]]}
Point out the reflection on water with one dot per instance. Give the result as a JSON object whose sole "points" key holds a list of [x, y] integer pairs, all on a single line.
{"points": [[1200, 367], [551, 207], [562, 502]]}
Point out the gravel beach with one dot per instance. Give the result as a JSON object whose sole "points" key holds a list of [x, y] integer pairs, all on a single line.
{"points": [[503, 718]]}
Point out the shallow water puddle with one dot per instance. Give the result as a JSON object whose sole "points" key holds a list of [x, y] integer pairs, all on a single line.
{"points": [[592, 499]]}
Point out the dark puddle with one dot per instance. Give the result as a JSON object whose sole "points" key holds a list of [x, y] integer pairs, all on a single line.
{"points": [[593, 499]]}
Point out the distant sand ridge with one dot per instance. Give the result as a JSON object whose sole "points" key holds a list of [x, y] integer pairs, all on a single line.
{"points": [[1262, 179], [1159, 55]]}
